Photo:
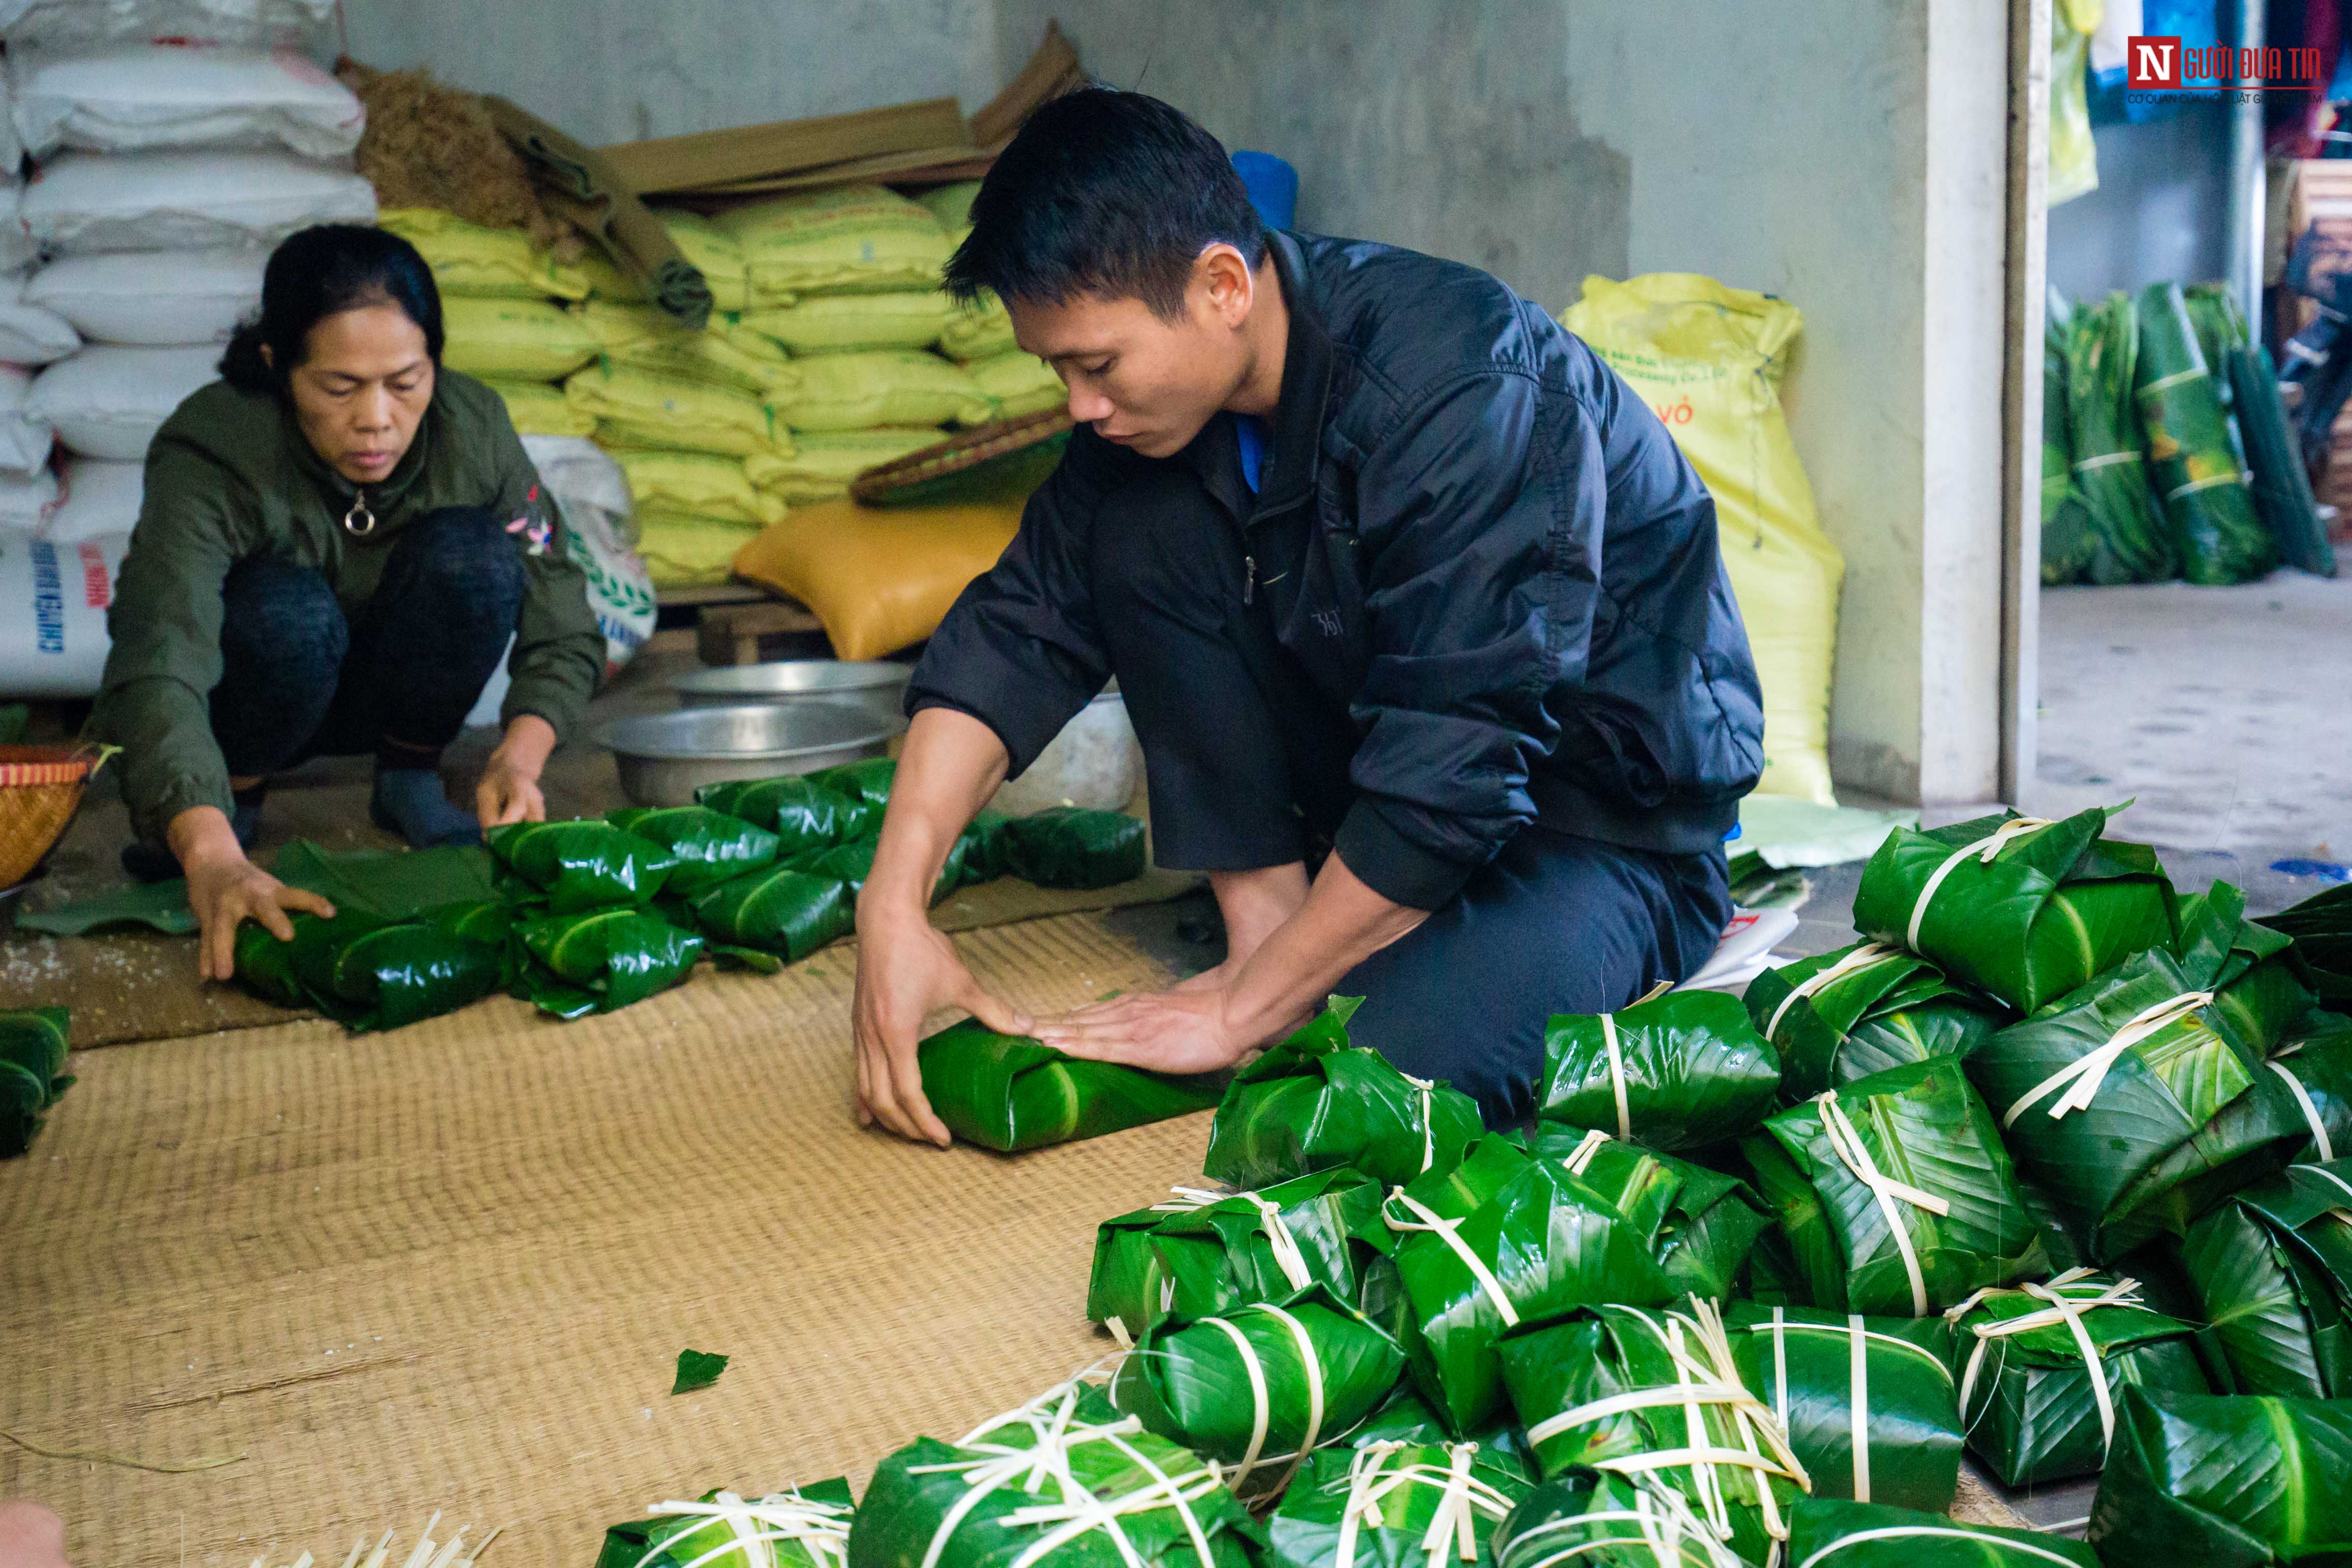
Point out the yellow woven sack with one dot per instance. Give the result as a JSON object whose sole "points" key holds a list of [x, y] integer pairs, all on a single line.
{"points": [[858, 239], [1021, 384], [635, 409], [700, 484], [715, 254], [1707, 358], [982, 329], [823, 462], [537, 409], [722, 354], [607, 281], [493, 263], [838, 324], [879, 579], [522, 340], [951, 204], [685, 551], [859, 391]]}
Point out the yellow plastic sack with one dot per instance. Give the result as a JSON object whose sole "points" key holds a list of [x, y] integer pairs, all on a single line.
{"points": [[894, 387], [839, 323], [880, 580], [981, 330], [699, 484], [722, 354], [1707, 359], [493, 263], [607, 280], [1021, 384], [858, 239], [635, 409], [951, 204], [823, 462], [522, 340], [685, 551], [715, 254], [2073, 155], [538, 409]]}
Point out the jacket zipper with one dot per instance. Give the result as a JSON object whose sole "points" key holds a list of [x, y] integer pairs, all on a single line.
{"points": [[1249, 581]]}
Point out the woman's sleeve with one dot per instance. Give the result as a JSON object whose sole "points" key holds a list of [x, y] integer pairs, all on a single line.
{"points": [[559, 655]]}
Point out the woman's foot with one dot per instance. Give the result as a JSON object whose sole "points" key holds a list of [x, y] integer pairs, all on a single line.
{"points": [[148, 862], [410, 801]]}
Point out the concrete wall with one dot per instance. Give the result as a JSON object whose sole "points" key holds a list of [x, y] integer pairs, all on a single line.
{"points": [[2161, 211]]}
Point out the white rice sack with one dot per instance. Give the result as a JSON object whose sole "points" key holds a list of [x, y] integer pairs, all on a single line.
{"points": [[23, 443], [592, 496], [86, 202], [135, 96], [53, 601], [12, 153], [107, 401], [96, 496], [18, 249], [261, 24], [29, 335], [155, 298], [26, 500]]}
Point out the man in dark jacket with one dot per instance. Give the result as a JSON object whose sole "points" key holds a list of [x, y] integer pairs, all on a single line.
{"points": [[1415, 605]]}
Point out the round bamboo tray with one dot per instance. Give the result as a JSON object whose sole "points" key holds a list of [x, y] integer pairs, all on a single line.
{"points": [[40, 787]]}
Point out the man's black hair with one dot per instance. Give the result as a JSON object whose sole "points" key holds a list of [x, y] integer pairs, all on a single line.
{"points": [[1108, 194]]}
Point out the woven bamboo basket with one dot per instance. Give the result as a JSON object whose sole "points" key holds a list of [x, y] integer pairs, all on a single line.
{"points": [[40, 788], [1005, 459]]}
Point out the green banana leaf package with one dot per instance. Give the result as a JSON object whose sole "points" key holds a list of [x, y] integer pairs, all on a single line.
{"points": [[867, 783], [33, 1052], [1065, 1481], [1861, 1010], [2254, 980], [1407, 1419], [2192, 460], [1259, 1388], [807, 1527], [1895, 1195], [2282, 488], [778, 909], [1656, 1397], [1070, 847], [1393, 1505], [1839, 1535], [367, 972], [582, 865], [1869, 1403], [851, 863], [1317, 1104], [2321, 927], [709, 847], [2317, 1068], [2066, 539], [2033, 1363], [1594, 1519], [2271, 1270], [805, 815], [1501, 1240], [600, 961], [1203, 1253], [1678, 1071], [2132, 541], [1009, 1093], [2225, 1481], [2016, 907], [2134, 1105], [1702, 1224], [981, 848]]}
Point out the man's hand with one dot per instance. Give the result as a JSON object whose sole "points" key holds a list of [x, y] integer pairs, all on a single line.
{"points": [[1178, 1031], [906, 969], [509, 791], [226, 889]]}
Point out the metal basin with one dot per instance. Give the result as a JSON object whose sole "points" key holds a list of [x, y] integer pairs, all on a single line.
{"points": [[879, 684], [665, 757]]}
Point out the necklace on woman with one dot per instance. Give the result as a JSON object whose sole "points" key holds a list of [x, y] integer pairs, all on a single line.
{"points": [[359, 523]]}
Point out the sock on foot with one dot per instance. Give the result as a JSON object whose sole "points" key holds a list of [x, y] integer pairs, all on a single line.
{"points": [[411, 803]]}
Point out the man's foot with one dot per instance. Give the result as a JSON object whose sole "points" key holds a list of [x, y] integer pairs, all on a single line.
{"points": [[410, 801], [147, 862]]}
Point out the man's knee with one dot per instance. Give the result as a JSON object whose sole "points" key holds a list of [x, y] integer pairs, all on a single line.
{"points": [[283, 614]]}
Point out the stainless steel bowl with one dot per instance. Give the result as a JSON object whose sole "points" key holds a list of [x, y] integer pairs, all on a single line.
{"points": [[881, 684], [665, 757]]}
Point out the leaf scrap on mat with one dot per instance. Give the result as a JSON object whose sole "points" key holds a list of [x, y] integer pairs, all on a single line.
{"points": [[697, 1370]]}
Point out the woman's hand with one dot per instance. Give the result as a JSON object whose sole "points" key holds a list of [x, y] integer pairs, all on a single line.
{"points": [[509, 788], [1162, 1031], [226, 889]]}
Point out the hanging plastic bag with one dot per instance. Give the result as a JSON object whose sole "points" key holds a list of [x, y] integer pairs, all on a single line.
{"points": [[2073, 157]]}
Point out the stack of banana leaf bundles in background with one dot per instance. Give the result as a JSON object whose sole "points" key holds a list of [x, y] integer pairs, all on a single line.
{"points": [[2044, 1168]]}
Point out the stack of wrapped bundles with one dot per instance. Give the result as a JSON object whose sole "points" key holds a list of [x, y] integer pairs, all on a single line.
{"points": [[807, 1527]]}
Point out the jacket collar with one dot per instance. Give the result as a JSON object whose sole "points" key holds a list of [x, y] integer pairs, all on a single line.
{"points": [[1298, 414]]}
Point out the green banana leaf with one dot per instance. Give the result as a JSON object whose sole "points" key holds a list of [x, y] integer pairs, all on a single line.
{"points": [[1593, 1519], [1070, 847], [1684, 1362], [1907, 1409], [1921, 1125], [2282, 488], [2067, 542], [1701, 1225], [1312, 1370], [582, 865], [1399, 1495], [1009, 1093], [1201, 1254], [709, 847], [368, 973], [778, 909], [600, 961], [2254, 980], [491, 923], [807, 1527], [867, 782], [1880, 1008], [805, 816], [1840, 1534], [158, 906], [264, 966], [982, 847], [2225, 1482], [851, 863], [2181, 1117], [2271, 1270], [33, 1054], [1317, 1104], [2192, 461], [1407, 1419], [2320, 1066], [1047, 1484], [2030, 1408], [2055, 905], [2321, 927], [1544, 1243], [2131, 540], [1693, 1071], [389, 884]]}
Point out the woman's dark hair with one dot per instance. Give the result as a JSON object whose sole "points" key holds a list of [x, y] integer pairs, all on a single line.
{"points": [[1104, 192], [321, 272]]}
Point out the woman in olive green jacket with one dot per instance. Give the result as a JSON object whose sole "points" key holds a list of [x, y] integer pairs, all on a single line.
{"points": [[339, 540]]}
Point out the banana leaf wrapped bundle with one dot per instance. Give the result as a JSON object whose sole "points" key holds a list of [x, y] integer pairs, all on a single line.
{"points": [[600, 961], [2271, 1270], [1407, 1419], [367, 972], [1203, 1253], [1261, 1387], [2282, 488], [2131, 540], [1070, 847], [851, 863], [581, 865], [2022, 909], [1861, 1010], [2254, 980], [805, 816], [1702, 1224], [1658, 1397], [2040, 1368], [1841, 1535], [1591, 1519], [1677, 1071], [33, 1054], [2317, 1069], [1501, 1240], [1317, 1104], [980, 847], [2133, 1104], [2225, 1481], [2192, 460], [1868, 1403], [807, 1527], [1895, 1192], [709, 847], [2067, 542], [2321, 927], [778, 909], [1009, 1093], [867, 782], [1393, 1505], [1065, 1481]]}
